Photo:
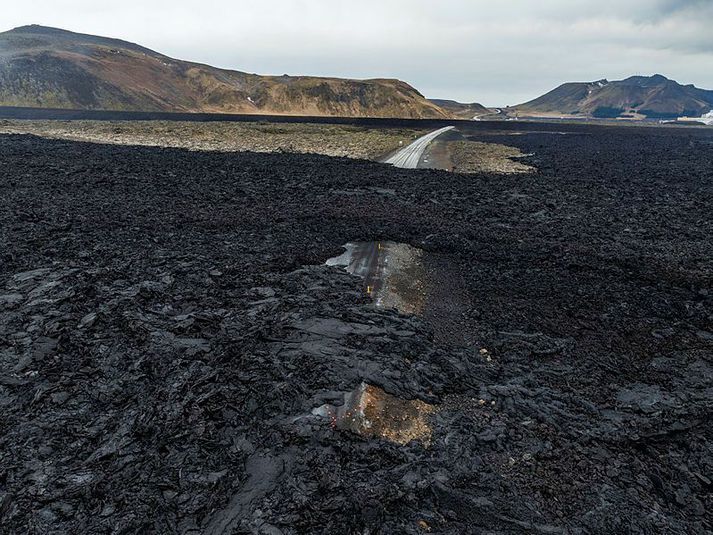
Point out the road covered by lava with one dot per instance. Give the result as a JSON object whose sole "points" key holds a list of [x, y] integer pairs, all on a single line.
{"points": [[176, 357]]}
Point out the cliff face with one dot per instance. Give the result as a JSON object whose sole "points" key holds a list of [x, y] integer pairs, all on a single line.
{"points": [[51, 68]]}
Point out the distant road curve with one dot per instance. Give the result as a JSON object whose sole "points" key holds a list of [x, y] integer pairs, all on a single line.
{"points": [[409, 157]]}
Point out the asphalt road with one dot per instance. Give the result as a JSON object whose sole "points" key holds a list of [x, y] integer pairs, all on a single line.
{"points": [[366, 260], [409, 157]]}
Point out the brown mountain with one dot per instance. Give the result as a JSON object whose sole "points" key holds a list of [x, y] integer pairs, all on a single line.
{"points": [[462, 111], [52, 68], [636, 97]]}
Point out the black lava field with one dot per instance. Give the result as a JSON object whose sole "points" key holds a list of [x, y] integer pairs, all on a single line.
{"points": [[167, 327]]}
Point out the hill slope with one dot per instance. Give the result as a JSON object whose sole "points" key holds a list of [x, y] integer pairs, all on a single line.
{"points": [[52, 68], [461, 111], [639, 96]]}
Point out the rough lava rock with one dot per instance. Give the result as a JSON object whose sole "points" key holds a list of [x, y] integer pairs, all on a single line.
{"points": [[167, 327]]}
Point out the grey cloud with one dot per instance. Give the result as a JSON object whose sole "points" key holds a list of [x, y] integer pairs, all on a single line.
{"points": [[671, 6]]}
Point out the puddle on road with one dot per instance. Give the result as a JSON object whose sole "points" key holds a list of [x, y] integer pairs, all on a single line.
{"points": [[370, 412], [393, 273]]}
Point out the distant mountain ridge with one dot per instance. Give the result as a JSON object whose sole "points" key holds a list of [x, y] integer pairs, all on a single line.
{"points": [[461, 111], [53, 68], [637, 97]]}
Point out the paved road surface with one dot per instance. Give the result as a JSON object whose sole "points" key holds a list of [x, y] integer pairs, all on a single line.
{"points": [[367, 260], [409, 157]]}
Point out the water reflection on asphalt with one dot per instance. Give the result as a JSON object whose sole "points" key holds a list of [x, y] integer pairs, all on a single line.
{"points": [[393, 273]]}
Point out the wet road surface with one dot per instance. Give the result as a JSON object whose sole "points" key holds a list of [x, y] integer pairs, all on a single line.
{"points": [[392, 272]]}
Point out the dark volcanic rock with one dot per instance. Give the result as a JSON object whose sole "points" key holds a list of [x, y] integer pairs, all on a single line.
{"points": [[162, 344]]}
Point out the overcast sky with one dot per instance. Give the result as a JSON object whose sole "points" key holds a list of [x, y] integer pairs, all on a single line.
{"points": [[496, 52]]}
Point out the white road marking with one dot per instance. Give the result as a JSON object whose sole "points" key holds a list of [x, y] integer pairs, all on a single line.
{"points": [[409, 157]]}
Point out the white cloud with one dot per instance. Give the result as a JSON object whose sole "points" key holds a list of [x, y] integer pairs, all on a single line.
{"points": [[499, 53]]}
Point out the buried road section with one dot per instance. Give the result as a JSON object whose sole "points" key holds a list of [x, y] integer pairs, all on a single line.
{"points": [[393, 273]]}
